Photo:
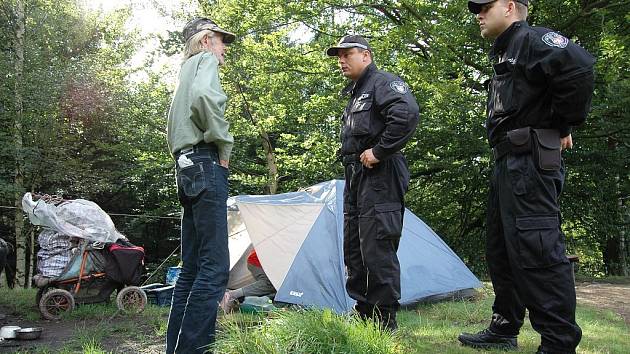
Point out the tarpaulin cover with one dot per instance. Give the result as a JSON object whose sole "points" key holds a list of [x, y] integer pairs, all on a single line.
{"points": [[76, 218]]}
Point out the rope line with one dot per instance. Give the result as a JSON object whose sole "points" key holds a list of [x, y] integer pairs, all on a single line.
{"points": [[117, 214]]}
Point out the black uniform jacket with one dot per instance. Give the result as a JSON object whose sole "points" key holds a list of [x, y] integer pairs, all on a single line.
{"points": [[541, 80], [382, 114]]}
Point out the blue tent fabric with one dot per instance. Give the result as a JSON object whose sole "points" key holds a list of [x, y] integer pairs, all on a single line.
{"points": [[316, 277], [318, 262]]}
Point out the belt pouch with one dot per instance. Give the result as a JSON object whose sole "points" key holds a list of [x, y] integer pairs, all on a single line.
{"points": [[521, 141], [547, 154]]}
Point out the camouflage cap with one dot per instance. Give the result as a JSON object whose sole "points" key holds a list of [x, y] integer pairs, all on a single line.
{"points": [[199, 24]]}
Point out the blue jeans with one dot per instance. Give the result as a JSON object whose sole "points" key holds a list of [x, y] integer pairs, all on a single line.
{"points": [[202, 190]]}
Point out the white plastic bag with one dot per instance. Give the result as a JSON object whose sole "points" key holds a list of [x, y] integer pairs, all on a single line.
{"points": [[76, 218]]}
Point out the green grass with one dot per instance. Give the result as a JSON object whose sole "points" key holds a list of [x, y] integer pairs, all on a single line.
{"points": [[428, 328], [92, 347], [434, 328], [610, 279], [302, 331], [20, 302]]}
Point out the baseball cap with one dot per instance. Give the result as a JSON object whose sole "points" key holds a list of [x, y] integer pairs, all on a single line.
{"points": [[475, 5], [350, 41], [199, 24]]}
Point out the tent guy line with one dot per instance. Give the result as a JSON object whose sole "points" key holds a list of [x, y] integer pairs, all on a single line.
{"points": [[118, 214]]}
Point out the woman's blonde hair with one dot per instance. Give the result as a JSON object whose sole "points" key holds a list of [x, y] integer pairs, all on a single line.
{"points": [[194, 45]]}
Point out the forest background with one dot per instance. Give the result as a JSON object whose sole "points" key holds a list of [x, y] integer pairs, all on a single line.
{"points": [[84, 98]]}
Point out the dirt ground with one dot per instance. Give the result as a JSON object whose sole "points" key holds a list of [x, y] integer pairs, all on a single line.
{"points": [[615, 297], [56, 334]]}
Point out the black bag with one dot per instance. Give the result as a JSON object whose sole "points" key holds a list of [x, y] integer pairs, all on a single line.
{"points": [[125, 263], [521, 141], [547, 152]]}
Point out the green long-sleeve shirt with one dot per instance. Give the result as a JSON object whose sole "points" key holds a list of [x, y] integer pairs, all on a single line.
{"points": [[197, 112]]}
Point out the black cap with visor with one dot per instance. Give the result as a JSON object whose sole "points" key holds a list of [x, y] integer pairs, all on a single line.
{"points": [[350, 41], [475, 5]]}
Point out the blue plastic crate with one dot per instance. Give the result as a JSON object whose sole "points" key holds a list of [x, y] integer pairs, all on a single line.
{"points": [[172, 273], [159, 294]]}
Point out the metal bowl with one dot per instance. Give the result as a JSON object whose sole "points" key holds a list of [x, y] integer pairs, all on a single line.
{"points": [[8, 332], [29, 333]]}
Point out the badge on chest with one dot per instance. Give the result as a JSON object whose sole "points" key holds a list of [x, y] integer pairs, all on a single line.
{"points": [[361, 102]]}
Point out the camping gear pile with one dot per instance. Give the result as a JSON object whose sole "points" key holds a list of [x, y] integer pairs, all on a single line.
{"points": [[54, 253], [256, 304], [82, 257]]}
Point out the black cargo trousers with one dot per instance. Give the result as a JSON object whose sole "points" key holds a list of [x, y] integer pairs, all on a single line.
{"points": [[373, 220], [526, 253]]}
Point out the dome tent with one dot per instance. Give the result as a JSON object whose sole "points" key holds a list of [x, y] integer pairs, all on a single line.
{"points": [[298, 237]]}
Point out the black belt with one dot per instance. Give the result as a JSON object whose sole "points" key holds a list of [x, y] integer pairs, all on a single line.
{"points": [[355, 158], [501, 149], [203, 146], [351, 158]]}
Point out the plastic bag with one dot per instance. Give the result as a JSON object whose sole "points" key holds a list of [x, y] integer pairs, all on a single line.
{"points": [[76, 218]]}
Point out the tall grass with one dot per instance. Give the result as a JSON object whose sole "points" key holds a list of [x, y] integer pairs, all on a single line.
{"points": [[428, 328], [303, 331]]}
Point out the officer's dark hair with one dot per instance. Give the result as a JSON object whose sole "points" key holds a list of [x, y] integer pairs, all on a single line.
{"points": [[521, 10], [361, 50]]}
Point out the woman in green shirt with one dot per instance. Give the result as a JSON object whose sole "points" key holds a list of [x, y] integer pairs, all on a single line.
{"points": [[199, 140]]}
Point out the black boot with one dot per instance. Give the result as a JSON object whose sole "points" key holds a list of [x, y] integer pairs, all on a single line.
{"points": [[363, 310], [387, 319], [389, 322], [486, 339]]}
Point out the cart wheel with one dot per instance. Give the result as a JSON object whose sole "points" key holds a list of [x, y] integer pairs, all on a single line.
{"points": [[54, 303], [131, 299]]}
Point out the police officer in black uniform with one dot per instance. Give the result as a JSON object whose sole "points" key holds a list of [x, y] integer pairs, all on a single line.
{"points": [[379, 119], [541, 88]]}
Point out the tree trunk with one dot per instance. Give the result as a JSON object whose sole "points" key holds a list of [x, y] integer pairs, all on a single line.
{"points": [[614, 252], [20, 240], [31, 257], [623, 249], [272, 183]]}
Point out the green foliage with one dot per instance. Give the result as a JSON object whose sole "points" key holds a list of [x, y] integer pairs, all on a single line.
{"points": [[92, 132], [89, 131], [277, 71]]}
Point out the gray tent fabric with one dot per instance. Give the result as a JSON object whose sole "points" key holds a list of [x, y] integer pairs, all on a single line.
{"points": [[298, 237]]}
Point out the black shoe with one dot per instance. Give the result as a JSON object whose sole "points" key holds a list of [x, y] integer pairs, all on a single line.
{"points": [[486, 339]]}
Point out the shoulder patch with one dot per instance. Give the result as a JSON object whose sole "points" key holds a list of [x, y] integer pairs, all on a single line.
{"points": [[554, 39], [399, 87]]}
